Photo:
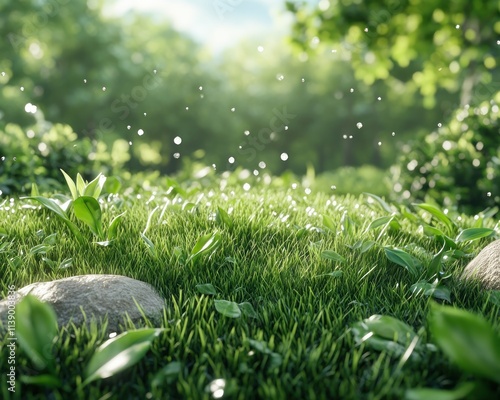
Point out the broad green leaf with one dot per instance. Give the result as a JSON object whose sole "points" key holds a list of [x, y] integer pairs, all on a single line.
{"points": [[228, 308], [468, 340], [260, 346], [205, 244], [94, 188], [248, 310], [71, 185], [119, 353], [474, 234], [54, 207], [431, 289], [404, 259], [112, 184], [80, 185], [331, 255], [113, 226], [88, 210], [36, 329], [39, 249], [328, 223], [151, 247], [431, 230], [380, 202], [463, 391], [367, 245], [437, 213], [66, 263], [385, 333], [379, 222], [168, 373], [206, 288], [222, 217]]}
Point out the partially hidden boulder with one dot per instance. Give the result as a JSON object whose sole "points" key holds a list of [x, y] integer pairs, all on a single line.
{"points": [[97, 295], [485, 267]]}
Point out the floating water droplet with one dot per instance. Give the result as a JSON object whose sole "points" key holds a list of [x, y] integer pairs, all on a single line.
{"points": [[366, 29], [344, 136], [303, 80], [233, 109], [286, 127], [393, 134], [128, 127], [3, 73], [140, 132], [85, 81], [154, 71], [284, 156], [379, 143], [130, 143], [104, 88], [260, 49], [457, 26], [255, 172], [280, 77], [145, 114], [30, 108], [262, 165], [177, 140], [201, 88], [246, 187], [379, 98], [359, 125], [333, 187], [440, 125], [246, 133], [350, 136], [177, 155], [307, 191], [187, 108], [488, 194], [22, 88], [352, 90], [231, 160], [334, 50]]}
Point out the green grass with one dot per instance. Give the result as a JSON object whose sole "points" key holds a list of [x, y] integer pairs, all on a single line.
{"points": [[270, 256]]}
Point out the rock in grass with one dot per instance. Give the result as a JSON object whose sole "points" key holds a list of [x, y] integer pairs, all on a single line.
{"points": [[486, 267], [98, 295]]}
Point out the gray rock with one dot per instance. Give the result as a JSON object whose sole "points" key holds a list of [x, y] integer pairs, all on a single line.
{"points": [[486, 267], [98, 295]]}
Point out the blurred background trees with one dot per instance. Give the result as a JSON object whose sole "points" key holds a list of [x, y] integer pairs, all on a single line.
{"points": [[363, 83]]}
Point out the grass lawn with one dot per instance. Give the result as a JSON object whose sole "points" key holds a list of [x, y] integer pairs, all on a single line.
{"points": [[311, 266]]}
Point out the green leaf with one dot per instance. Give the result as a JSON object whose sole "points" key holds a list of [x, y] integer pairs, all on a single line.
{"points": [[331, 255], [80, 185], [54, 207], [113, 226], [151, 247], [468, 340], [379, 222], [34, 190], [205, 244], [206, 288], [3, 232], [333, 274], [474, 234], [328, 223], [36, 330], [112, 185], [435, 265], [260, 346], [463, 391], [367, 245], [228, 308], [385, 333], [403, 259], [168, 373], [248, 310], [88, 210], [494, 297], [438, 214], [119, 353], [71, 185], [222, 217], [380, 202], [94, 188]]}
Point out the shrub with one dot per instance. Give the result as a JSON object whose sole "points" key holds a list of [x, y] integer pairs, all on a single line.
{"points": [[38, 153], [459, 164]]}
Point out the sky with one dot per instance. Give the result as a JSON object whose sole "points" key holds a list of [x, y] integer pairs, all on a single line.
{"points": [[218, 24]]}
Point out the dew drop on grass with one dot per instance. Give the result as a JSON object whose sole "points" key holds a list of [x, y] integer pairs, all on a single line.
{"points": [[233, 109], [231, 160], [286, 127], [246, 187], [246, 133], [379, 98], [440, 125], [333, 187], [201, 88], [359, 125], [85, 81], [145, 114], [393, 134], [187, 108], [488, 194], [380, 143], [177, 155], [130, 143], [140, 132], [303, 80], [344, 136], [280, 77], [352, 90], [104, 88], [284, 156], [128, 127], [177, 140], [262, 165], [22, 88]]}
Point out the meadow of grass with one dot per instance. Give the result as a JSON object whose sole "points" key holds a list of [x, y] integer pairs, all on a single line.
{"points": [[311, 265]]}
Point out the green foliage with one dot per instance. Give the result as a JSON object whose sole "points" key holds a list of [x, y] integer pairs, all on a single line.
{"points": [[458, 164]]}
